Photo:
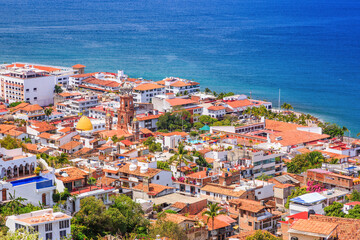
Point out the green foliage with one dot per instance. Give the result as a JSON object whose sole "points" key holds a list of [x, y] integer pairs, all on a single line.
{"points": [[170, 211], [20, 234], [163, 165], [332, 129], [9, 142], [48, 111], [286, 106], [194, 133], [167, 229], [122, 217], [176, 120], [354, 196], [295, 193], [262, 235], [16, 206], [181, 155], [153, 146], [37, 170], [213, 210], [334, 210], [57, 89], [264, 177], [198, 125], [303, 162], [204, 119], [14, 104], [354, 213], [201, 160]]}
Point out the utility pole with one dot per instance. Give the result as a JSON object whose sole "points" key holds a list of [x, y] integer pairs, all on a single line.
{"points": [[279, 99]]}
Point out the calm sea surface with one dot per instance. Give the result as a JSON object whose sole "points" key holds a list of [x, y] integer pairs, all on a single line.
{"points": [[309, 49]]}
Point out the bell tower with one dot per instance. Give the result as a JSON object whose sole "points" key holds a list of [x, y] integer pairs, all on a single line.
{"points": [[108, 120], [126, 110]]}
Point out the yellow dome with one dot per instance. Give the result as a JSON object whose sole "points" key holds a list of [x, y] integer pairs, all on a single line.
{"points": [[84, 124], [108, 114], [135, 119]]}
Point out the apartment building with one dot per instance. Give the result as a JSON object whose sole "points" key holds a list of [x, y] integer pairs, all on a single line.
{"points": [[215, 111], [27, 84], [255, 215], [179, 86], [78, 105], [49, 224], [144, 93]]}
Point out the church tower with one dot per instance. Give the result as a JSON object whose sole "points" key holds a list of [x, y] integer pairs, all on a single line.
{"points": [[108, 120], [126, 110]]}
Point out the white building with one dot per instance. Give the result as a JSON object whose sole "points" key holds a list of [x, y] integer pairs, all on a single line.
{"points": [[215, 111], [179, 86], [144, 93], [78, 105], [27, 84], [48, 224], [305, 203]]}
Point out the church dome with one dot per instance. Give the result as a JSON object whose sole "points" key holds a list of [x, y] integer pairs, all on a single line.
{"points": [[84, 124]]}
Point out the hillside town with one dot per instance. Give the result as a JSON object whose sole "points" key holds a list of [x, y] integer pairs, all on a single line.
{"points": [[101, 155]]}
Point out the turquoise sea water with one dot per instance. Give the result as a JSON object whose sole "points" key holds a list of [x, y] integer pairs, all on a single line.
{"points": [[309, 49]]}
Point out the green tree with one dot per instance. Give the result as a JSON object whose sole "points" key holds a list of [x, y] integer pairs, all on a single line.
{"points": [[334, 210], [167, 229], [301, 162], [181, 155], [213, 210], [62, 158], [57, 89], [262, 235], [20, 234], [354, 213], [207, 90], [48, 112], [114, 139], [332, 129], [286, 106], [295, 193], [9, 142], [355, 196], [91, 181], [14, 104]]}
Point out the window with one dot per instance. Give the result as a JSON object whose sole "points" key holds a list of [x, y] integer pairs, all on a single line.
{"points": [[250, 223], [27, 90], [62, 234], [48, 227], [35, 89], [64, 224], [157, 177], [35, 98], [18, 226], [48, 236]]}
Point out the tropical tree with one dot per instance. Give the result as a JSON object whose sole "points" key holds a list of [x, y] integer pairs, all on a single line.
{"points": [[91, 181], [167, 229], [63, 158], [354, 212], [286, 106], [57, 89], [48, 112], [207, 90], [334, 210], [295, 193], [213, 210], [9, 142], [181, 155], [20, 234], [262, 235]]}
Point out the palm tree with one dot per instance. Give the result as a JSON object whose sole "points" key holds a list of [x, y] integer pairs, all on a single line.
{"points": [[358, 135], [15, 203], [57, 89], [181, 156], [62, 158], [286, 106], [207, 90], [213, 210], [91, 181], [48, 112]]}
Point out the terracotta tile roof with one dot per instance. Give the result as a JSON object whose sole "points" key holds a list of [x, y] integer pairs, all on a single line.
{"points": [[280, 126], [295, 137], [182, 134], [227, 191], [209, 160], [65, 130], [198, 175], [99, 82], [245, 235], [180, 84], [84, 150], [69, 94], [127, 142], [5, 128], [70, 145], [179, 101], [312, 226], [216, 108], [105, 181], [32, 108], [43, 68], [248, 205], [78, 66], [73, 174], [146, 131], [179, 205], [18, 107], [154, 189], [148, 117], [84, 75], [348, 229], [46, 135], [177, 218], [42, 126], [148, 86], [240, 103], [218, 221], [150, 173]]}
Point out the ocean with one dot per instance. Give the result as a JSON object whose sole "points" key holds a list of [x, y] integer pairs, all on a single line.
{"points": [[308, 49]]}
